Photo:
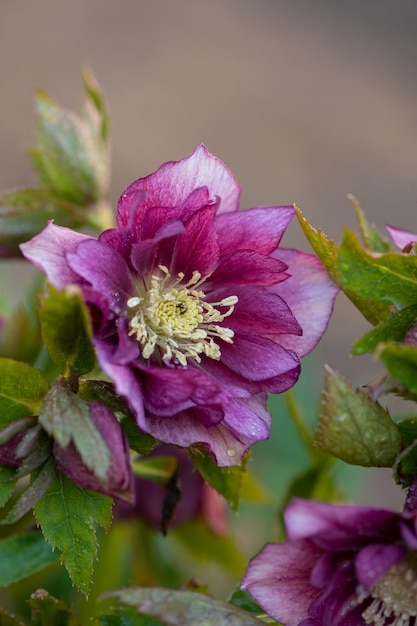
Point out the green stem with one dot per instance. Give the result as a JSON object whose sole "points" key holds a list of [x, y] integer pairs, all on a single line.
{"points": [[299, 421]]}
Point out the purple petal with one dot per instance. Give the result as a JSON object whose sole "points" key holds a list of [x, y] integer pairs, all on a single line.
{"points": [[197, 249], [105, 270], [401, 238], [245, 267], [259, 312], [125, 378], [258, 229], [248, 418], [186, 429], [259, 359], [156, 216], [168, 391], [173, 182], [310, 296], [374, 560], [48, 251], [144, 254], [339, 527], [408, 534], [278, 580]]}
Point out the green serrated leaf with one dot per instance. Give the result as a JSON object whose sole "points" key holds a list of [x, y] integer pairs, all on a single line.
{"points": [[66, 330], [68, 517], [373, 240], [355, 428], [49, 611], [393, 329], [225, 480], [25, 212], [389, 279], [327, 251], [183, 608], [66, 157], [96, 98], [401, 362], [22, 389], [23, 555], [66, 418], [325, 248]]}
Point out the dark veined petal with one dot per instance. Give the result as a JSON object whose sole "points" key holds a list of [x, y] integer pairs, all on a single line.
{"points": [[49, 250], [245, 267], [196, 249], [259, 229], [278, 579]]}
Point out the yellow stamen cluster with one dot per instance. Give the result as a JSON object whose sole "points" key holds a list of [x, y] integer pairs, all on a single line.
{"points": [[174, 318], [394, 596]]}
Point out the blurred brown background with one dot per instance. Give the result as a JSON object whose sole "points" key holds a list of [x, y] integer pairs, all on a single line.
{"points": [[305, 100]]}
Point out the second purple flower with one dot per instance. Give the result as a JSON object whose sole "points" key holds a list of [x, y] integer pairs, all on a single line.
{"points": [[196, 312]]}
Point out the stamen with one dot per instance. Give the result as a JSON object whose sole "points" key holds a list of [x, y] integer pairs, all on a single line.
{"points": [[173, 317], [394, 596]]}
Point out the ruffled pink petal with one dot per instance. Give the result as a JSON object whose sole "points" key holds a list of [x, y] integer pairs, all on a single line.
{"points": [[258, 229], [48, 251], [310, 296], [278, 580], [174, 181], [401, 238]]}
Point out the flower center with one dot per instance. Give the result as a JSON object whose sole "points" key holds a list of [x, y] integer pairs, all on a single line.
{"points": [[394, 596], [175, 318]]}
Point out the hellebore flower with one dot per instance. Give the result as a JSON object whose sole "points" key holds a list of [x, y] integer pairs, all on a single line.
{"points": [[120, 479], [187, 497], [341, 566], [197, 313]]}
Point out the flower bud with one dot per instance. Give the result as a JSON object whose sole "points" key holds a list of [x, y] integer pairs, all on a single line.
{"points": [[119, 482]]}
